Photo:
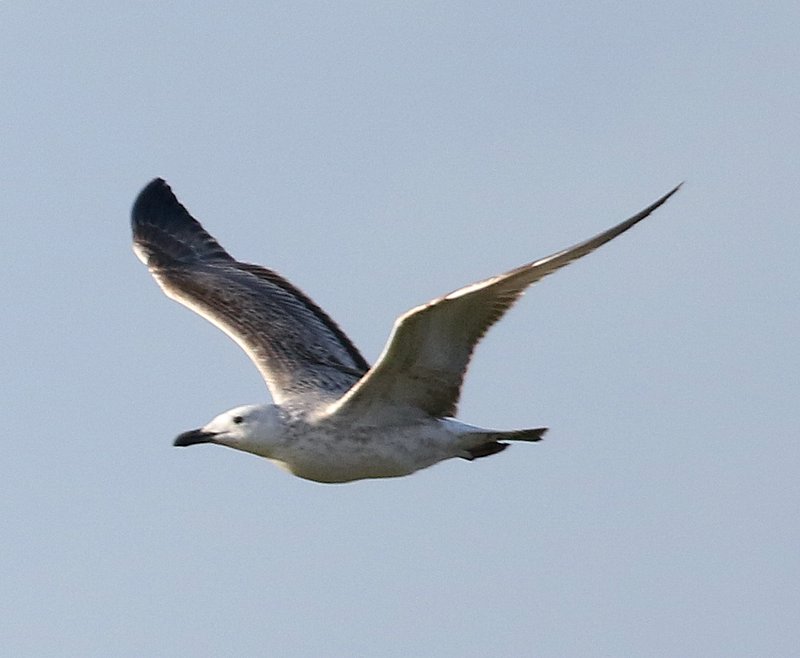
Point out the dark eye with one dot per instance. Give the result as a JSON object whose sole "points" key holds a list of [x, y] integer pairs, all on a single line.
{"points": [[238, 420]]}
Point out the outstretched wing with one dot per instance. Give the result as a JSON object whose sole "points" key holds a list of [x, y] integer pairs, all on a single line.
{"points": [[422, 366], [297, 348]]}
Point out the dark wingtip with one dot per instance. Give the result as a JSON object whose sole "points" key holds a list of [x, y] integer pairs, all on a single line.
{"points": [[154, 199], [675, 189], [660, 202], [164, 230], [668, 194]]}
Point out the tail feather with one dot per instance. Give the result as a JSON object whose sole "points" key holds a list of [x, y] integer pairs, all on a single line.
{"points": [[491, 442]]}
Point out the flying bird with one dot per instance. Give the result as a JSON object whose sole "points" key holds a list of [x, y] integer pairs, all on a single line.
{"points": [[335, 418]]}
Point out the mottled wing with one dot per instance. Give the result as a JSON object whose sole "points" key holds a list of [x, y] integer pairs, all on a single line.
{"points": [[297, 348], [423, 364]]}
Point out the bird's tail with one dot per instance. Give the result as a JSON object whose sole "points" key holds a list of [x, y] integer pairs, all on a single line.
{"points": [[484, 444]]}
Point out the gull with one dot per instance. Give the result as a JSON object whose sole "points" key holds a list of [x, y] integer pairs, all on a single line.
{"points": [[335, 418]]}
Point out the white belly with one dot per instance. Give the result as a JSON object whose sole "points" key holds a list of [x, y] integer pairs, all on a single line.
{"points": [[323, 455]]}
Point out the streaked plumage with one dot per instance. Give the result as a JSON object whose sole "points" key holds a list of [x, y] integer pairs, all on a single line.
{"points": [[335, 419]]}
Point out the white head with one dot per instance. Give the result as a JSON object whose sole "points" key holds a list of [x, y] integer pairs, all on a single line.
{"points": [[252, 428]]}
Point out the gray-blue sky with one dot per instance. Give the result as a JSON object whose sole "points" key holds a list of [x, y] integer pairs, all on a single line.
{"points": [[378, 156]]}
